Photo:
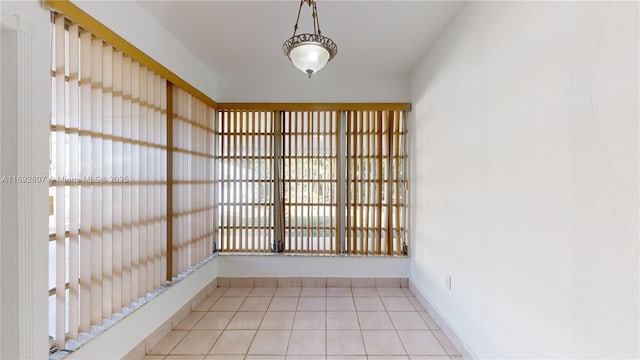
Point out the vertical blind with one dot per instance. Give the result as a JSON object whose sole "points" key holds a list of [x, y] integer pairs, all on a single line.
{"points": [[309, 178], [297, 157], [246, 181], [193, 182], [109, 180], [376, 182]]}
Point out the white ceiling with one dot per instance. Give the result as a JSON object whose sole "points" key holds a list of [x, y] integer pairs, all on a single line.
{"points": [[242, 40]]}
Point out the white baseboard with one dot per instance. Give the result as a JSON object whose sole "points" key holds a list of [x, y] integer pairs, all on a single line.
{"points": [[456, 338]]}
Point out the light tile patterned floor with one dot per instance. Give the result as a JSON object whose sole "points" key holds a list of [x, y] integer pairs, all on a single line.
{"points": [[306, 323]]}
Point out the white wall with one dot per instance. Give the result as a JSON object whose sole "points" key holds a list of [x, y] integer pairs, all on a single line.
{"points": [[312, 266], [130, 21], [525, 179], [326, 86]]}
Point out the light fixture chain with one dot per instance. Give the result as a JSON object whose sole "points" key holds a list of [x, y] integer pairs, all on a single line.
{"points": [[295, 27], [316, 22]]}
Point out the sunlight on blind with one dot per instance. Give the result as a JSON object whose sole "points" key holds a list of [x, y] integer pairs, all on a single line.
{"points": [[193, 186], [376, 182], [245, 170], [108, 179]]}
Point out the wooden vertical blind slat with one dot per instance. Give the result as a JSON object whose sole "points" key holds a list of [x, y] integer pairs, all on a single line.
{"points": [[60, 190], [74, 172]]}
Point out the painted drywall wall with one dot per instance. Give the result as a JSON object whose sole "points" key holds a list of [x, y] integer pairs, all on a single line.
{"points": [[119, 340], [312, 266], [525, 179], [326, 86], [130, 21]]}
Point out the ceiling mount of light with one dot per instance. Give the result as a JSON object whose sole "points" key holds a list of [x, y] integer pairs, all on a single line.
{"points": [[309, 52]]}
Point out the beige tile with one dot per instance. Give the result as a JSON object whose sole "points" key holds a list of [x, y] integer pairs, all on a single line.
{"points": [[382, 342], [289, 282], [196, 342], [237, 291], [154, 338], [265, 282], [312, 304], [416, 304], [233, 342], [344, 342], [184, 357], [365, 292], [288, 291], [152, 357], [167, 343], [214, 320], [340, 304], [262, 291], [310, 291], [390, 292], [388, 357], [284, 304], [339, 282], [420, 342], [374, 320], [446, 343], [432, 357], [305, 357], [307, 342], [432, 324], [224, 357], [407, 320], [246, 320], [257, 303], [265, 357], [309, 320], [363, 282], [314, 282], [346, 357], [387, 282], [223, 282], [206, 304], [342, 320], [368, 303], [278, 320], [270, 342], [189, 320], [339, 292], [241, 282], [397, 304], [404, 283], [228, 304]]}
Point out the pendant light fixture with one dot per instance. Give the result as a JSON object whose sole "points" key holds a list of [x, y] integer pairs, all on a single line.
{"points": [[309, 52]]}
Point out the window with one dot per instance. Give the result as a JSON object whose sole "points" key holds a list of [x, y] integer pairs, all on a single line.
{"points": [[116, 208], [313, 182]]}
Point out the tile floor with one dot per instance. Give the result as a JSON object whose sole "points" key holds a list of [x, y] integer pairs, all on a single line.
{"points": [[306, 323]]}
